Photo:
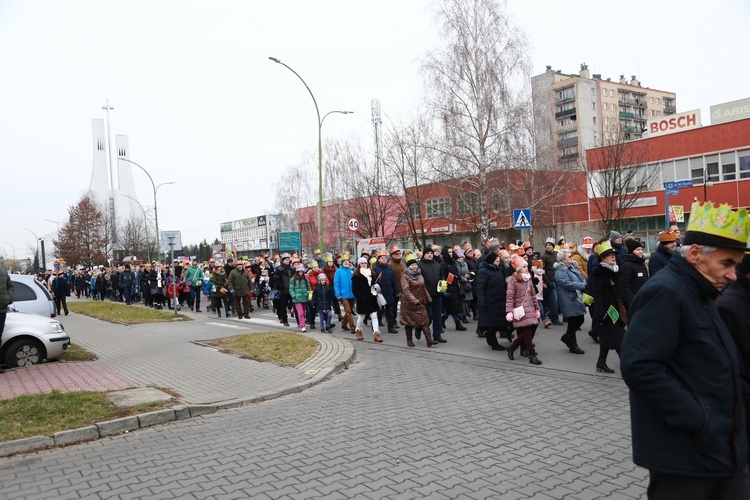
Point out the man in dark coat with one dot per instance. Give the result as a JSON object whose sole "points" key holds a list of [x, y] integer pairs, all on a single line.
{"points": [[431, 274], [453, 299], [733, 305], [633, 272], [281, 278], [682, 367], [127, 279], [491, 290], [61, 290], [386, 278], [660, 258]]}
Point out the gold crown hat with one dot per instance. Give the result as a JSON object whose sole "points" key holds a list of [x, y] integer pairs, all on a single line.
{"points": [[717, 226], [603, 249]]}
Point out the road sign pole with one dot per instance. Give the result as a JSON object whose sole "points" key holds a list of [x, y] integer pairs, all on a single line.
{"points": [[666, 205]]}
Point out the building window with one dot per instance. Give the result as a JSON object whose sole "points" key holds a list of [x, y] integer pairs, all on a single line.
{"points": [[697, 171], [606, 120], [728, 167], [611, 93], [745, 165], [606, 107], [658, 113], [414, 211], [657, 100], [604, 92], [606, 135], [593, 105], [652, 112], [594, 120], [467, 203], [437, 208], [651, 100]]}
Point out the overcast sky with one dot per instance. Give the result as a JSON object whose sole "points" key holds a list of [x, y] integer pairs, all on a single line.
{"points": [[202, 105]]}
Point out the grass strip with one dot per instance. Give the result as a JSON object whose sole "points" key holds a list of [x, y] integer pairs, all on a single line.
{"points": [[115, 312], [279, 348]]}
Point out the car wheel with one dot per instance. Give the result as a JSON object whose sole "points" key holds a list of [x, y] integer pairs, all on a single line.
{"points": [[23, 352]]}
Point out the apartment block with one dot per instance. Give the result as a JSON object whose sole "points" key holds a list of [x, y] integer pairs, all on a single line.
{"points": [[576, 112]]}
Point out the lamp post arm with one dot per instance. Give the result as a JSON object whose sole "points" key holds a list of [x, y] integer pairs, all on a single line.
{"points": [[145, 224]]}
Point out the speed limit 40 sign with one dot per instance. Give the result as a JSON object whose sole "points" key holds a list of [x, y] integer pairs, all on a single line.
{"points": [[352, 224]]}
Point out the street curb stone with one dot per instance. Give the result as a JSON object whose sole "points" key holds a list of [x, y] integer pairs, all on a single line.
{"points": [[177, 412], [88, 433]]}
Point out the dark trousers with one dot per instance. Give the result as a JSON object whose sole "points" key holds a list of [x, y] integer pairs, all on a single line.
{"points": [[490, 335], [574, 323], [672, 487], [242, 306], [2, 323], [284, 301], [390, 314], [195, 298], [435, 313], [61, 301], [525, 338]]}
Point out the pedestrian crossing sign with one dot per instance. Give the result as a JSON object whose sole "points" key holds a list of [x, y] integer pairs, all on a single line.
{"points": [[522, 218]]}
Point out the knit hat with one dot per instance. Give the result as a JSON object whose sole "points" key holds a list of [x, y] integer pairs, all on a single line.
{"points": [[614, 235], [322, 277], [427, 250], [361, 260], [633, 244], [300, 268], [458, 253], [410, 259]]}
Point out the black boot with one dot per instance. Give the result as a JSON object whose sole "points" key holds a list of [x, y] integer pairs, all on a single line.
{"points": [[460, 327], [510, 350], [533, 359], [601, 366]]}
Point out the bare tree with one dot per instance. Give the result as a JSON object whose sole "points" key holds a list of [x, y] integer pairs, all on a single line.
{"points": [[478, 89], [617, 175], [410, 164], [293, 190], [85, 238], [133, 237]]}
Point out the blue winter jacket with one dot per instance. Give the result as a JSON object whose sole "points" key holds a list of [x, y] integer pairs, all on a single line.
{"points": [[342, 283], [570, 284], [386, 278]]}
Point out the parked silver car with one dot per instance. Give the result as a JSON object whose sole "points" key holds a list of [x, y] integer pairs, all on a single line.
{"points": [[28, 339], [32, 296]]}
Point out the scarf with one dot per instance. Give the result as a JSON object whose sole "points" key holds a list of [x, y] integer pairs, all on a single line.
{"points": [[612, 267], [413, 274]]}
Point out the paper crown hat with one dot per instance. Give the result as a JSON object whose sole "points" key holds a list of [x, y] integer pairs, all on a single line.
{"points": [[603, 249], [717, 226], [667, 236]]}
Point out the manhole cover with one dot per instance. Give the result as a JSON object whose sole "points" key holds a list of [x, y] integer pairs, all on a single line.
{"points": [[311, 372]]}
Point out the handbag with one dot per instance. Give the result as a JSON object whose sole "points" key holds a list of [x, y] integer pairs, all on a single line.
{"points": [[309, 295], [519, 312], [274, 295], [623, 313], [381, 300]]}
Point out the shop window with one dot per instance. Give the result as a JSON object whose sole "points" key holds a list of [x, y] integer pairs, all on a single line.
{"points": [[745, 166], [728, 167], [697, 172], [712, 168]]}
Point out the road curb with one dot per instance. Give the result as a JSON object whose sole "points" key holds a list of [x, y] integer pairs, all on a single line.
{"points": [[178, 412]]}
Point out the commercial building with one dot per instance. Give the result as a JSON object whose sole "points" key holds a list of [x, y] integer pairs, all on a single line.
{"points": [[250, 236], [576, 112]]}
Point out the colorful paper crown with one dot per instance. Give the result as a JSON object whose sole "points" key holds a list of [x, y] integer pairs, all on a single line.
{"points": [[667, 236], [603, 249], [717, 226]]}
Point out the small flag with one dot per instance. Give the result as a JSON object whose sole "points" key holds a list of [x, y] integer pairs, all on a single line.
{"points": [[613, 314]]}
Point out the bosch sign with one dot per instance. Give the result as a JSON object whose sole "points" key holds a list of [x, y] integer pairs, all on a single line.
{"points": [[675, 123]]}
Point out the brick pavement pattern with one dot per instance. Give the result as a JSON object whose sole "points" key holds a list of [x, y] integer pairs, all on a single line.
{"points": [[64, 377], [398, 424]]}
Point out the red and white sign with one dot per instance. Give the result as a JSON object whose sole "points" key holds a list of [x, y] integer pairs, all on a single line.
{"points": [[352, 224], [674, 123], [370, 245]]}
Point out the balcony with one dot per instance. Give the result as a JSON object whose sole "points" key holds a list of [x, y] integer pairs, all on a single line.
{"points": [[568, 96], [640, 117], [670, 109], [567, 142], [625, 114], [566, 128], [567, 112]]}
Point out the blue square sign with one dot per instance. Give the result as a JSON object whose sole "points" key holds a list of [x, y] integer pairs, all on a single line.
{"points": [[522, 218]]}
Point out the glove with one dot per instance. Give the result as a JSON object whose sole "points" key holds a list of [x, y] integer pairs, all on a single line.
{"points": [[537, 314], [509, 317]]}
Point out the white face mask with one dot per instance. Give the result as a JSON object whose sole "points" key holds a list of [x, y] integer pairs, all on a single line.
{"points": [[525, 276]]}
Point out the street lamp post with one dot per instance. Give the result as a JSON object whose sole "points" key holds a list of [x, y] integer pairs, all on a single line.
{"points": [[58, 237], [145, 225], [36, 238], [14, 251], [156, 188], [321, 244]]}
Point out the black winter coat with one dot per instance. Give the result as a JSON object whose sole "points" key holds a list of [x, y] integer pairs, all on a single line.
{"points": [[431, 274], [453, 304], [367, 303], [634, 274], [659, 259], [491, 290], [683, 371], [607, 291], [386, 278], [281, 278], [733, 306], [473, 268]]}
